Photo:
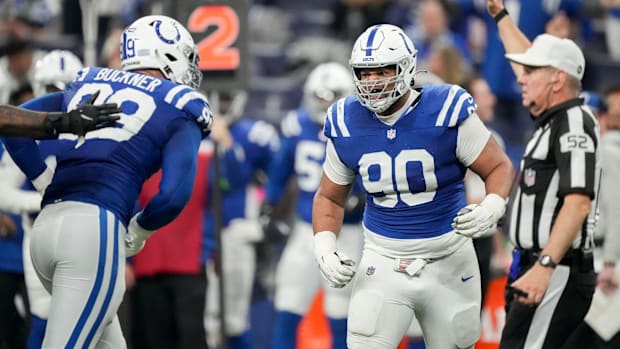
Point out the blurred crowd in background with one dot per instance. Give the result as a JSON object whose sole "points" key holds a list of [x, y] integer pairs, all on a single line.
{"points": [[456, 42]]}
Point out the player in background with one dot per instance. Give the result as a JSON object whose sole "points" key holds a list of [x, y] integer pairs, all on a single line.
{"points": [[52, 73], [245, 149], [86, 229], [411, 148], [301, 154]]}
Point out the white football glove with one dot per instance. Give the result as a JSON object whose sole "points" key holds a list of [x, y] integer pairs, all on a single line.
{"points": [[136, 237], [336, 267], [479, 220]]}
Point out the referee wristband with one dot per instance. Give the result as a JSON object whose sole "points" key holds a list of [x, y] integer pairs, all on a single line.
{"points": [[501, 14]]}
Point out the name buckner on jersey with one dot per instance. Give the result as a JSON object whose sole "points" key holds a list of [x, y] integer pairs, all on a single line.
{"points": [[142, 81]]}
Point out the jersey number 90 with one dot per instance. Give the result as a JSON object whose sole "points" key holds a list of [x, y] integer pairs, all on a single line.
{"points": [[392, 173]]}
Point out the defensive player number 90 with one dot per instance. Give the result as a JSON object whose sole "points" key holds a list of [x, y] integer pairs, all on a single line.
{"points": [[397, 168]]}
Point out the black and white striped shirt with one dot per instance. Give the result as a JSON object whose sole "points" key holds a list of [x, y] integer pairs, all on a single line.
{"points": [[560, 158]]}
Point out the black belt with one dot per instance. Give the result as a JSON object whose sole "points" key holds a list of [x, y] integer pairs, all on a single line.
{"points": [[572, 258]]}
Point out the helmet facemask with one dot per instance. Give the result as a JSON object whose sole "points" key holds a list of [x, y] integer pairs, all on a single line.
{"points": [[192, 76], [378, 47]]}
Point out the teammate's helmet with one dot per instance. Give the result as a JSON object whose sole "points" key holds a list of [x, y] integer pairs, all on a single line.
{"points": [[229, 104], [54, 71], [379, 46], [160, 42], [326, 83]]}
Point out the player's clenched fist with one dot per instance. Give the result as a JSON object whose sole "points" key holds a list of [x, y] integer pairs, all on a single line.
{"points": [[480, 220], [136, 237], [86, 117], [494, 6], [336, 267]]}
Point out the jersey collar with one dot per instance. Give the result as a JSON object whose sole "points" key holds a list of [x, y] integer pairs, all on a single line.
{"points": [[546, 116]]}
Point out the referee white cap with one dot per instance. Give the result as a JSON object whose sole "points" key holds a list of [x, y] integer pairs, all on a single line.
{"points": [[551, 51]]}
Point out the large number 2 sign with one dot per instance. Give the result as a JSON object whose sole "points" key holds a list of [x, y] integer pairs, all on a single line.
{"points": [[390, 170], [215, 50]]}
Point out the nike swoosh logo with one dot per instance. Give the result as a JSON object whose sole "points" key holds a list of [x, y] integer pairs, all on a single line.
{"points": [[465, 278]]}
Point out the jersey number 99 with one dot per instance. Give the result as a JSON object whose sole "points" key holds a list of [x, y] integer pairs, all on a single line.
{"points": [[130, 124]]}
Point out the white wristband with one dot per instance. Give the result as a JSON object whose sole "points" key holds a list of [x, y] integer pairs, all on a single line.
{"points": [[140, 232], [495, 204], [324, 243], [43, 180]]}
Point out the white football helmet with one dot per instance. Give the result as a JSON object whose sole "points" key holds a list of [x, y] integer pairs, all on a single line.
{"points": [[229, 104], [54, 71], [325, 84], [379, 46], [160, 42]]}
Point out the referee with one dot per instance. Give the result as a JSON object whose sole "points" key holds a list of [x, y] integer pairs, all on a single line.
{"points": [[552, 278]]}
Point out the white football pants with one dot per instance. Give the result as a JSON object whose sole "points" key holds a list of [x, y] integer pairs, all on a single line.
{"points": [[298, 277], [78, 253], [239, 267], [444, 296], [38, 297]]}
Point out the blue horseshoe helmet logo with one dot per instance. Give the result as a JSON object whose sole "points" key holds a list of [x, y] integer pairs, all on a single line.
{"points": [[164, 39]]}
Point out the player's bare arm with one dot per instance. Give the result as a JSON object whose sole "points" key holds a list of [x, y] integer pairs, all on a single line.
{"points": [[535, 281], [327, 215], [19, 122], [512, 37], [328, 206], [495, 168]]}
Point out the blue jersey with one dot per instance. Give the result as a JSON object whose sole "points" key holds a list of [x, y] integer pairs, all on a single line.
{"points": [[255, 143], [302, 152], [157, 129], [410, 170]]}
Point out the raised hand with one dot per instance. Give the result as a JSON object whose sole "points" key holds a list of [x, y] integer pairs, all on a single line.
{"points": [[494, 6], [86, 117]]}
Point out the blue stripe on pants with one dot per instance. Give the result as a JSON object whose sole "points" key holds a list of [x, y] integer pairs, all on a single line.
{"points": [[110, 292], [94, 292]]}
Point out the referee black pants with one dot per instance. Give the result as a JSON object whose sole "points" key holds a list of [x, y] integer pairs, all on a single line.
{"points": [[549, 324], [168, 311]]}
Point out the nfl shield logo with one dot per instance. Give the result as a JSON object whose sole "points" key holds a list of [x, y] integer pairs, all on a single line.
{"points": [[391, 133], [529, 177], [370, 270]]}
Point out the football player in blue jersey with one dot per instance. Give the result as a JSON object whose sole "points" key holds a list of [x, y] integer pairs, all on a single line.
{"points": [[410, 148], [86, 229], [301, 155], [246, 148], [52, 73]]}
